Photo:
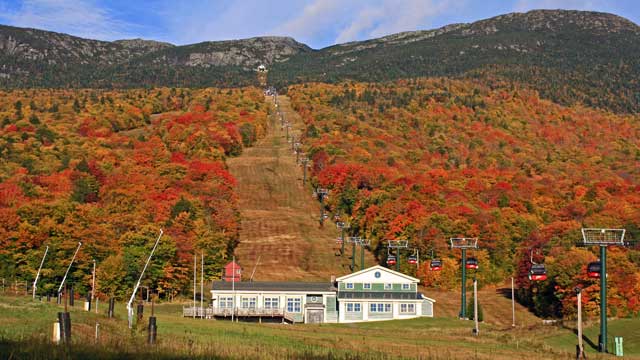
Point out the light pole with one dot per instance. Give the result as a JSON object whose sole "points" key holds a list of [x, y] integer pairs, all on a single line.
{"points": [[305, 161], [464, 244]]}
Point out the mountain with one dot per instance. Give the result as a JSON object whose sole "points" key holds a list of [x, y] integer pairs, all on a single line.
{"points": [[567, 56]]}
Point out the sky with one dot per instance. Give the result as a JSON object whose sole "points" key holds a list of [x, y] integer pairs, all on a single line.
{"points": [[317, 23]]}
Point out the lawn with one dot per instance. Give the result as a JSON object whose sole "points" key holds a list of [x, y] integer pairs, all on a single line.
{"points": [[26, 332]]}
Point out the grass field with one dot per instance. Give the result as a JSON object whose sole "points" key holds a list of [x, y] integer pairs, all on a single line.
{"points": [[26, 332]]}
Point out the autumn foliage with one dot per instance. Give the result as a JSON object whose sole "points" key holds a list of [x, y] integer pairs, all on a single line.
{"points": [[109, 169], [426, 160]]}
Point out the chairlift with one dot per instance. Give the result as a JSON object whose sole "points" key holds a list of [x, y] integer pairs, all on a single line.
{"points": [[537, 272], [413, 259], [593, 269], [472, 263], [435, 265], [391, 260]]}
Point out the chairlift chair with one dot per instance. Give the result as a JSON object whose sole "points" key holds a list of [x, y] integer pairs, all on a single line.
{"points": [[537, 272], [391, 258], [435, 265], [593, 269], [413, 258], [472, 263]]}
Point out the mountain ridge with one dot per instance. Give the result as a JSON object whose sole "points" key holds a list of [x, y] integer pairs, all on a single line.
{"points": [[567, 55]]}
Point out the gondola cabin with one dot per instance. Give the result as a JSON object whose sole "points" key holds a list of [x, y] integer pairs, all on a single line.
{"points": [[472, 263], [593, 269], [391, 260], [412, 260], [537, 272], [435, 265]]}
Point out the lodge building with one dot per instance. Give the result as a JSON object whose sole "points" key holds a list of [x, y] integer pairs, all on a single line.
{"points": [[372, 294]]}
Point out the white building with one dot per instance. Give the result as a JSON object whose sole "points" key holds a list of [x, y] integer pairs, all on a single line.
{"points": [[378, 293], [372, 294]]}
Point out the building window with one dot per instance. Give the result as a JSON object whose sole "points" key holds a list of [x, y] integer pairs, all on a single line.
{"points": [[388, 286], [349, 285], [367, 286], [406, 286], [379, 308], [353, 307], [248, 303], [271, 303], [225, 302], [294, 304], [408, 308]]}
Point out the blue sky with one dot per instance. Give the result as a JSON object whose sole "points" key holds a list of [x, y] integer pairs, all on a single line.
{"points": [[318, 23]]}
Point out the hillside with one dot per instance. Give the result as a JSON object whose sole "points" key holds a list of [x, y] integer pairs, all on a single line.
{"points": [[110, 169], [567, 56], [426, 160]]}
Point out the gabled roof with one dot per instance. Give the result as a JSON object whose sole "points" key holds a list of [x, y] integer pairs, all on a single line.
{"points": [[380, 268], [283, 286]]}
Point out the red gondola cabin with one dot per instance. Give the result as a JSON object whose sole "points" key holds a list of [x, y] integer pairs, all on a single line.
{"points": [[593, 269], [472, 263]]}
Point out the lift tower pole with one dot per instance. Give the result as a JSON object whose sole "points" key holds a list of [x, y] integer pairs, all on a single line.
{"points": [[464, 244], [603, 238], [398, 245]]}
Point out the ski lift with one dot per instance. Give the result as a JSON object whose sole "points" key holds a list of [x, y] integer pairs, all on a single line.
{"points": [[413, 258], [593, 269], [537, 272], [435, 265], [472, 263], [391, 258]]}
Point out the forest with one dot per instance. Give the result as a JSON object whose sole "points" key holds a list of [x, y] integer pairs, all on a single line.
{"points": [[110, 169], [429, 159]]}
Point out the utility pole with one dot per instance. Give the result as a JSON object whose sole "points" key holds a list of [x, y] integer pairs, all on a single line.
{"points": [[513, 304], [93, 282], [580, 350], [464, 244], [202, 285], [476, 331], [35, 282], [195, 274]]}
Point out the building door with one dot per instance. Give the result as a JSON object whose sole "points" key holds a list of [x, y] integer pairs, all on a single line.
{"points": [[315, 316]]}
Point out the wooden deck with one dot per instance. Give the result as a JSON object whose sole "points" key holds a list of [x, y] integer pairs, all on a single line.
{"points": [[212, 312]]}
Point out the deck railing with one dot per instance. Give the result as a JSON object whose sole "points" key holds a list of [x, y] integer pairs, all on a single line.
{"points": [[209, 312]]}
